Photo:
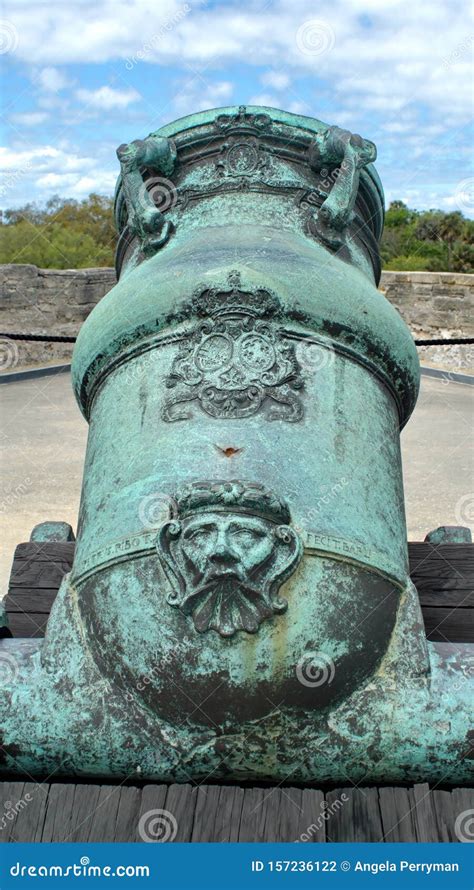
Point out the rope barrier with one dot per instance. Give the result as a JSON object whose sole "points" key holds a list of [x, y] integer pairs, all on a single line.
{"points": [[45, 338]]}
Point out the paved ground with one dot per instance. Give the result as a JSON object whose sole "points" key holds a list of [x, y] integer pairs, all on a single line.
{"points": [[44, 436]]}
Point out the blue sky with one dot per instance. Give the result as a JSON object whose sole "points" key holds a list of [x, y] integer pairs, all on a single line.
{"points": [[82, 77]]}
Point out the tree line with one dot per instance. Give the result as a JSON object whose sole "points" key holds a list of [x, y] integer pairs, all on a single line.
{"points": [[69, 234]]}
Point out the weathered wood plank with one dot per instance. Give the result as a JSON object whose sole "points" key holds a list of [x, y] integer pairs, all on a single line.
{"points": [[445, 816], [356, 817], [30, 625], [273, 806], [102, 827], [288, 814], [128, 814], [462, 804], [453, 599], [254, 814], [30, 820], [57, 824], [204, 816], [449, 625], [153, 822], [67, 812], [30, 600], [312, 822], [422, 551], [86, 798], [46, 551], [181, 802], [424, 813], [397, 812], [228, 817], [10, 794]]}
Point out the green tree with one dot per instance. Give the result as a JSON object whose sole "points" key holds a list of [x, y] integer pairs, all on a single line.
{"points": [[64, 234]]}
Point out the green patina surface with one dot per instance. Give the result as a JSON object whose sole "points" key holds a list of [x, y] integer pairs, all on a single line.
{"points": [[239, 602]]}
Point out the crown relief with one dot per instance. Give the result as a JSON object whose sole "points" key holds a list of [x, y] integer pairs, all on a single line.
{"points": [[236, 361]]}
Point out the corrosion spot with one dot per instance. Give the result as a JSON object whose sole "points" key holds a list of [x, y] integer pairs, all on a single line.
{"points": [[228, 450]]}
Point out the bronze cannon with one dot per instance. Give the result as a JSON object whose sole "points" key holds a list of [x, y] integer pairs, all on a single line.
{"points": [[240, 602]]}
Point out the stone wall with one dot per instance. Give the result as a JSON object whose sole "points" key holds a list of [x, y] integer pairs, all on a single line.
{"points": [[433, 304], [50, 301], [46, 301]]}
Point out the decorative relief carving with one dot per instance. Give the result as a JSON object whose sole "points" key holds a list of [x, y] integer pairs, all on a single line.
{"points": [[346, 154], [243, 119], [227, 554], [145, 219], [241, 156], [235, 362]]}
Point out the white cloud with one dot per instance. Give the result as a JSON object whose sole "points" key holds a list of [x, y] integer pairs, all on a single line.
{"points": [[411, 52], [45, 169], [395, 72], [51, 80], [30, 118], [106, 98], [277, 80], [267, 99], [196, 95]]}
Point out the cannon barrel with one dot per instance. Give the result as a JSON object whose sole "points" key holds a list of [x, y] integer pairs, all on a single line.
{"points": [[239, 603]]}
